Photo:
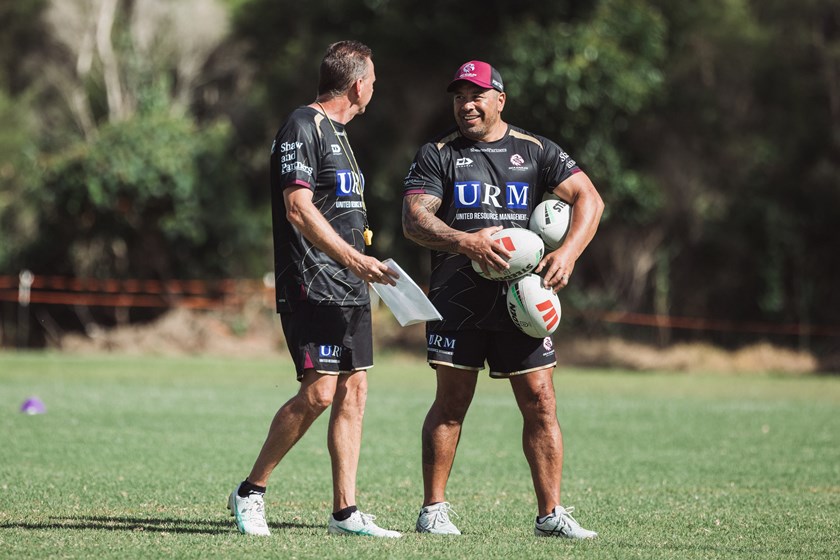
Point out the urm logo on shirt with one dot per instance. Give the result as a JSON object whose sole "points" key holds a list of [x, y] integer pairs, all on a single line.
{"points": [[348, 183], [475, 194]]}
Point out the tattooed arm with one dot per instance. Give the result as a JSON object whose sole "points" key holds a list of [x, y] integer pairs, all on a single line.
{"points": [[421, 225], [424, 228]]}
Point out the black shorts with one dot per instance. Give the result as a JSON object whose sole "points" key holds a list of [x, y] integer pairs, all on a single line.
{"points": [[329, 338], [507, 353]]}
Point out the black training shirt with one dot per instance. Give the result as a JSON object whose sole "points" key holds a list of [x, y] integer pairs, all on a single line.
{"points": [[482, 184], [308, 153]]}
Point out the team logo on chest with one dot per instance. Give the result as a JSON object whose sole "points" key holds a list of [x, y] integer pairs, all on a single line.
{"points": [[476, 194], [517, 163], [348, 183]]}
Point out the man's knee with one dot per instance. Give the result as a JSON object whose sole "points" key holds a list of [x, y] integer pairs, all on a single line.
{"points": [[455, 391], [539, 404], [355, 383], [318, 393], [452, 408]]}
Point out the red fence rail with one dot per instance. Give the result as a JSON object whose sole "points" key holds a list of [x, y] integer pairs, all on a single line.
{"points": [[194, 294], [215, 294]]}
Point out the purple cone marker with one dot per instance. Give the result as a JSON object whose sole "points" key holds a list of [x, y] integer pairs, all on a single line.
{"points": [[33, 405]]}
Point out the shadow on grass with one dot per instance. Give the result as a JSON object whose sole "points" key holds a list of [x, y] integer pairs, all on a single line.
{"points": [[139, 524]]}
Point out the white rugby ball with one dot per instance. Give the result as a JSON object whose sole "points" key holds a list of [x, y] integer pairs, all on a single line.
{"points": [[526, 250], [532, 307], [550, 220]]}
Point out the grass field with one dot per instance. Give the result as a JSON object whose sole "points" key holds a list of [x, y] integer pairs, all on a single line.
{"points": [[135, 458]]}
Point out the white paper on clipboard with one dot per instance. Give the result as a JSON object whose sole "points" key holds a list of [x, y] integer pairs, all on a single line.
{"points": [[406, 300]]}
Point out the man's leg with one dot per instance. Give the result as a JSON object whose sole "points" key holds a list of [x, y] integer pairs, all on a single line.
{"points": [[344, 437], [294, 418], [542, 440], [442, 429]]}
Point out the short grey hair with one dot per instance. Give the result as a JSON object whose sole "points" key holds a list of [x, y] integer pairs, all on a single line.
{"points": [[343, 64]]}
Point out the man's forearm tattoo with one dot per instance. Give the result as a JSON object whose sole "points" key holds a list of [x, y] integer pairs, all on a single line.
{"points": [[422, 226]]}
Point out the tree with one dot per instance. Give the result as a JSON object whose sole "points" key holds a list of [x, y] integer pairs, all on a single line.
{"points": [[129, 183]]}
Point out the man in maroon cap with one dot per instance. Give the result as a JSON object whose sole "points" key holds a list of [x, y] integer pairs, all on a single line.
{"points": [[476, 179]]}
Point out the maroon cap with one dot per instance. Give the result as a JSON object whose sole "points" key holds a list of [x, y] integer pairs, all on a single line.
{"points": [[479, 73]]}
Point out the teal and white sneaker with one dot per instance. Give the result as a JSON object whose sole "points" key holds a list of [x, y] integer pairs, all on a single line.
{"points": [[360, 524], [435, 519], [560, 523], [249, 513]]}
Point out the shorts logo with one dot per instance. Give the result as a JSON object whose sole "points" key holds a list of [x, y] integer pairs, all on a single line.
{"points": [[328, 351], [548, 344], [443, 342]]}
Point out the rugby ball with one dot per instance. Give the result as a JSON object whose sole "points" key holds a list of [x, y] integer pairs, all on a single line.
{"points": [[532, 307], [550, 220], [526, 250]]}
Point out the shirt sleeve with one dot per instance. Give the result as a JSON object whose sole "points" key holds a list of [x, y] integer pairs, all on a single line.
{"points": [[296, 150], [425, 176], [557, 165]]}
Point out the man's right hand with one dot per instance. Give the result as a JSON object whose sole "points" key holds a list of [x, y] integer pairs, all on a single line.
{"points": [[480, 247], [372, 270]]}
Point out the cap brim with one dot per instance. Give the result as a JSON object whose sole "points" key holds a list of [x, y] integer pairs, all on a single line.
{"points": [[479, 83]]}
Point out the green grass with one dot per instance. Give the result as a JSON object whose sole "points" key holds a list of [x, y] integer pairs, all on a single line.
{"points": [[135, 458]]}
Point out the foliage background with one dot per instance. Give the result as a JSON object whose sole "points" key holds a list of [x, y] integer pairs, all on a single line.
{"points": [[135, 136]]}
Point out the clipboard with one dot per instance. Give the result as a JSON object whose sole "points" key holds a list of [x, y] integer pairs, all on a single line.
{"points": [[406, 300]]}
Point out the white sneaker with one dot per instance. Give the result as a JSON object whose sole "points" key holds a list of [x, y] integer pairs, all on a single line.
{"points": [[435, 519], [249, 513], [359, 524], [560, 523]]}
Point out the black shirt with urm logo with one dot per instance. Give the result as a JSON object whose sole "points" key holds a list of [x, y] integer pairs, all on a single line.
{"points": [[307, 152], [482, 184]]}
